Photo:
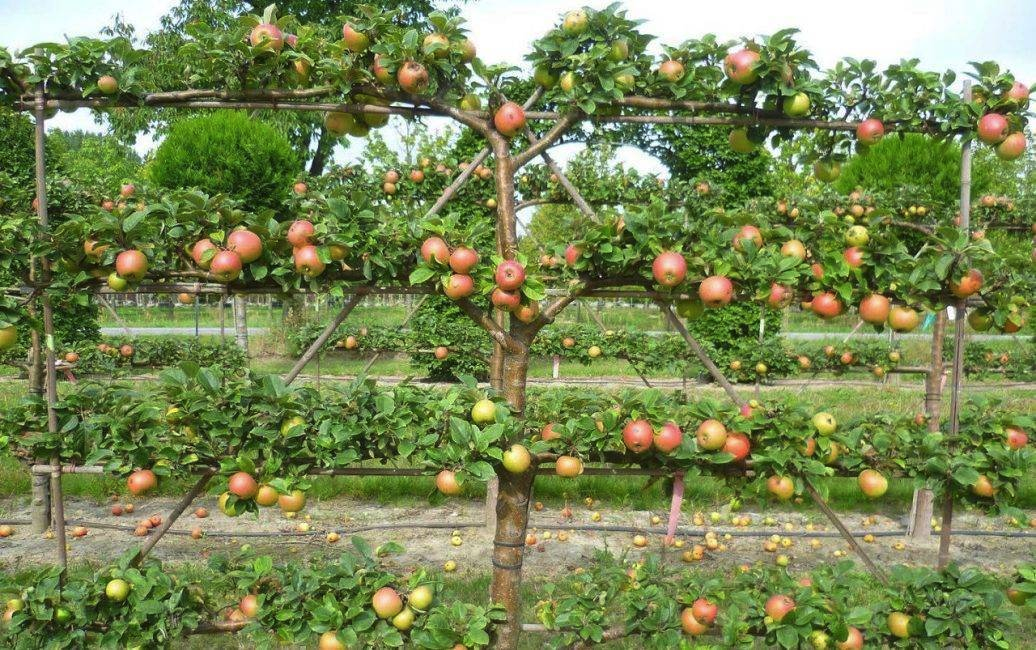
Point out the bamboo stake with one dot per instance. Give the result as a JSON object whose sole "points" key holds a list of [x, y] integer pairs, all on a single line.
{"points": [[703, 356], [51, 380], [960, 309], [848, 536], [315, 346], [186, 501]]}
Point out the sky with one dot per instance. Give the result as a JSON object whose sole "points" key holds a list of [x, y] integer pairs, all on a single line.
{"points": [[941, 33]]}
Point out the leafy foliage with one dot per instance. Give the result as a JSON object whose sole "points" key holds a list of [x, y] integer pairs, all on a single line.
{"points": [[644, 598], [227, 153], [296, 604]]}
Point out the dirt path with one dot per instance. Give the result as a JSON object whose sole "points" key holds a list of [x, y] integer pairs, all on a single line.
{"points": [[272, 533]]}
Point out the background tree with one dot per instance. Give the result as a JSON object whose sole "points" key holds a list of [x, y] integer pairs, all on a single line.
{"points": [[915, 163], [703, 153], [228, 153], [98, 164]]}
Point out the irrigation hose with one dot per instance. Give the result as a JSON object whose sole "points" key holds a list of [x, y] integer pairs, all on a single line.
{"points": [[686, 532]]}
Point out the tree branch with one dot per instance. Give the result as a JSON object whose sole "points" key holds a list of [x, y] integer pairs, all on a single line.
{"points": [[549, 138], [486, 322], [315, 346]]}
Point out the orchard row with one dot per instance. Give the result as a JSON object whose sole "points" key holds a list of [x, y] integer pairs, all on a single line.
{"points": [[278, 435], [593, 61], [354, 602]]}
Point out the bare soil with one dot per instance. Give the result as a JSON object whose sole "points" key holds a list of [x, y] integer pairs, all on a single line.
{"points": [[273, 533]]}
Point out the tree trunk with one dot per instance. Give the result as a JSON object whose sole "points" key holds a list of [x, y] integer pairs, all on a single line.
{"points": [[512, 513], [325, 144]]}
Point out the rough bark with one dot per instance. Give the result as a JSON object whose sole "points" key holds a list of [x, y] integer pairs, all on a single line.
{"points": [[512, 514], [325, 144]]}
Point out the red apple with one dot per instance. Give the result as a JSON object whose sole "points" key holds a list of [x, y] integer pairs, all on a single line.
{"points": [[903, 319], [983, 488], [300, 233], [704, 610], [268, 36], [307, 261], [1016, 438], [716, 291], [737, 445], [748, 232], [968, 285], [671, 70], [434, 248], [446, 482], [509, 119], [505, 300], [246, 244], [870, 131], [853, 257], [412, 78], [226, 266], [993, 128], [242, 485], [572, 254], [416, 176], [1012, 147], [854, 640], [510, 275], [638, 436], [669, 269], [872, 483], [386, 602], [711, 435], [740, 66], [691, 625], [141, 481], [354, 39], [668, 438], [459, 286], [463, 259], [131, 265], [1019, 95], [826, 305], [781, 487], [528, 312], [778, 606], [198, 253], [780, 296], [874, 309]]}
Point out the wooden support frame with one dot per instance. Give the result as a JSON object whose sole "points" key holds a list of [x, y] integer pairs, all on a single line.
{"points": [[513, 341]]}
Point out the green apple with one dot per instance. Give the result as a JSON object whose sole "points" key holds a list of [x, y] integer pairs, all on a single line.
{"points": [[620, 50], [420, 598], [690, 308], [825, 423], [797, 105], [575, 22], [857, 236], [517, 459], [290, 423], [544, 77], [116, 282], [569, 81], [404, 620], [117, 590], [483, 412]]}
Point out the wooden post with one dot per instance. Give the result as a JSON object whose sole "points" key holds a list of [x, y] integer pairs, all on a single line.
{"points": [[315, 346], [921, 507], [240, 322], [960, 312], [51, 379]]}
